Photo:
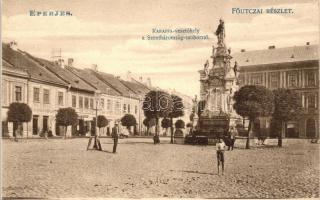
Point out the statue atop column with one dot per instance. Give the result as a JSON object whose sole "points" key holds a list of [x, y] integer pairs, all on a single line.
{"points": [[220, 33], [217, 90], [235, 68], [206, 68]]}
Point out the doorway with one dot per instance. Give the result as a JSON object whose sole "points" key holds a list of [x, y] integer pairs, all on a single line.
{"points": [[291, 131], [82, 130], [35, 125], [15, 127], [311, 128], [5, 129], [58, 129], [45, 124]]}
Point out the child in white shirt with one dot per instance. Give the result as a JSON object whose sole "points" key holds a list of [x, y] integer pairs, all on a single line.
{"points": [[220, 154]]}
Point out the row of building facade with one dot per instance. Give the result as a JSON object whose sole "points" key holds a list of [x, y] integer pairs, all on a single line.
{"points": [[47, 86], [295, 68]]}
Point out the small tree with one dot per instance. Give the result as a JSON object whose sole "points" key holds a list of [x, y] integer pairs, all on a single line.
{"points": [[253, 101], [66, 117], [149, 123], [165, 123], [177, 111], [102, 122], [287, 107], [128, 120], [19, 113], [157, 104], [180, 124]]}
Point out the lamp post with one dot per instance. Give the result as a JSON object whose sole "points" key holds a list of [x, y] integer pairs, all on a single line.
{"points": [[139, 110], [97, 144]]}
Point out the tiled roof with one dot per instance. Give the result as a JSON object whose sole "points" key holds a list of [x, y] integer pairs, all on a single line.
{"points": [[64, 74], [89, 77], [277, 55], [7, 68], [136, 87], [36, 72], [116, 84]]}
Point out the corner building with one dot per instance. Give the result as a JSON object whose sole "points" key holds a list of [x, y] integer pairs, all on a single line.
{"points": [[295, 68]]}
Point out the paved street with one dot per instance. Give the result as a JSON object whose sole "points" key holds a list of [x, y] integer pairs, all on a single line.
{"points": [[63, 168]]}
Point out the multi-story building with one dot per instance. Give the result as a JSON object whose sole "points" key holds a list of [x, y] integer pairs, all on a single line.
{"points": [[80, 95], [110, 99], [14, 87], [24, 80], [295, 68], [141, 90], [46, 86], [130, 101]]}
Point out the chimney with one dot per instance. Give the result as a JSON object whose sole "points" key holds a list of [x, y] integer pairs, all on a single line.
{"points": [[243, 50], [308, 43], [148, 82], [140, 79], [94, 67], [272, 47], [13, 45], [70, 62], [61, 62]]}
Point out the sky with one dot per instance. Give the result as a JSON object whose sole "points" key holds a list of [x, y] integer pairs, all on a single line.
{"points": [[109, 33]]}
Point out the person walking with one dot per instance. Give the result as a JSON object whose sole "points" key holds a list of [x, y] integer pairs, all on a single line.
{"points": [[233, 134], [115, 136]]}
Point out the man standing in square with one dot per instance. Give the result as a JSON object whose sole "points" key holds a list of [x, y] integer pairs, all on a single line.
{"points": [[115, 136]]}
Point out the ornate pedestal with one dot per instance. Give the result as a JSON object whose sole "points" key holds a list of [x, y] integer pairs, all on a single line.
{"points": [[218, 83]]}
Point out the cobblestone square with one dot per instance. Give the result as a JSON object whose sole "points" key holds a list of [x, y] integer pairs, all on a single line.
{"points": [[63, 168]]}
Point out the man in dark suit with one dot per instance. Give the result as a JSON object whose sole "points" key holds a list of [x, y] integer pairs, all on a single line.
{"points": [[115, 136]]}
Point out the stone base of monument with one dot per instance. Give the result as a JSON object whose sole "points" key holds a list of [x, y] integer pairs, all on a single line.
{"points": [[179, 140], [178, 137], [212, 141]]}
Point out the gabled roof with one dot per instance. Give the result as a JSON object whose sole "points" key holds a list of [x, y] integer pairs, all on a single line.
{"points": [[116, 84], [277, 55], [64, 74], [136, 87], [36, 72], [89, 77]]}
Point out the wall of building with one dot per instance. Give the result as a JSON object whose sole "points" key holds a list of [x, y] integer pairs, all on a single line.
{"points": [[43, 111], [303, 77], [8, 96]]}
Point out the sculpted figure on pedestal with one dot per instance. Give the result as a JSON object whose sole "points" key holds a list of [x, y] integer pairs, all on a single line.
{"points": [[206, 66], [235, 68], [220, 33]]}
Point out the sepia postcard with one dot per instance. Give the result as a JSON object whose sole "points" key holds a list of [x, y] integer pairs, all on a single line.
{"points": [[162, 99]]}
